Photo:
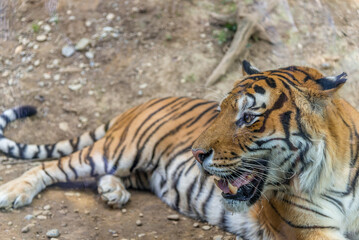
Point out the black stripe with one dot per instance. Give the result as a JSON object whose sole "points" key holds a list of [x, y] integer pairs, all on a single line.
{"points": [[153, 114], [300, 226], [305, 208], [43, 169], [62, 170], [72, 168]]}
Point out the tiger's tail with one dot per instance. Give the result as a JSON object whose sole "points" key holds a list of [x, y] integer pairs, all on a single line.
{"points": [[43, 151]]}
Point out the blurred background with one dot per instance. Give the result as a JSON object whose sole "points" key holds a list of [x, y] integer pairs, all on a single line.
{"points": [[83, 62]]}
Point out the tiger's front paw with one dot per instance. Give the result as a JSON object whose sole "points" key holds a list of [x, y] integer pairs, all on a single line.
{"points": [[18, 192], [112, 191]]}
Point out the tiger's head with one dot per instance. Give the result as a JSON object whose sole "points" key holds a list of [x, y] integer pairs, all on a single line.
{"points": [[269, 132]]}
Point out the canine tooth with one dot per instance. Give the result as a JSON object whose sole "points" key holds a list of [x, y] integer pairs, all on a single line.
{"points": [[216, 182], [250, 177], [232, 189]]}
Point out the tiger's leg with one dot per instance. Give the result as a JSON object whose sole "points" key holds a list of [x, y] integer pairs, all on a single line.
{"points": [[113, 188], [89, 162], [113, 191]]}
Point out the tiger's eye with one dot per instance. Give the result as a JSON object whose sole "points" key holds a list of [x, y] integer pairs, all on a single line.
{"points": [[247, 118]]}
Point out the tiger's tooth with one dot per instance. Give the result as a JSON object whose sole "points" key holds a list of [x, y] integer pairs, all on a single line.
{"points": [[232, 189], [250, 177], [216, 182]]}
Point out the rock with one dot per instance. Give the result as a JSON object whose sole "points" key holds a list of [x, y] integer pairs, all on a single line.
{"points": [[57, 77], [53, 233], [144, 85], [47, 76], [47, 207], [196, 225], [41, 84], [107, 29], [27, 228], [141, 235], [82, 44], [37, 63], [75, 87], [326, 65], [110, 16], [138, 223], [174, 217], [41, 38], [206, 227], [88, 23], [18, 49], [124, 210], [218, 237], [29, 217], [141, 215], [67, 51], [83, 119], [9, 223], [41, 217], [6, 73], [39, 98], [46, 28], [89, 55]]}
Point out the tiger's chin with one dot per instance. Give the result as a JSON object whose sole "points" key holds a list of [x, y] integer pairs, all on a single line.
{"points": [[235, 206]]}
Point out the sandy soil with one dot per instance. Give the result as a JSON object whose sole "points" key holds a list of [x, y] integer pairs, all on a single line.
{"points": [[154, 48]]}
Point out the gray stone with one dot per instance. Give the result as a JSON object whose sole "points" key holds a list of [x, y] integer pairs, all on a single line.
{"points": [[174, 217], [53, 233], [82, 44], [41, 38], [67, 51]]}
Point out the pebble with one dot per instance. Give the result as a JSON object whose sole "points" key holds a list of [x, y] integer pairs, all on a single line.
{"points": [[41, 38], [39, 98], [67, 51], [57, 77], [124, 210], [174, 217], [18, 49], [6, 73], [218, 237], [196, 225], [37, 63], [29, 217], [9, 223], [110, 16], [47, 76], [89, 55], [107, 29], [75, 87], [325, 65], [206, 227], [138, 223], [53, 233], [41, 84], [41, 217], [144, 85], [64, 225], [141, 235], [1, 179], [88, 23], [82, 44], [47, 207], [141, 215], [46, 28], [27, 228]]}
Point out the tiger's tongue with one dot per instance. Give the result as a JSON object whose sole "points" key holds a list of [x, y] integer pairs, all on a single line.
{"points": [[232, 186]]}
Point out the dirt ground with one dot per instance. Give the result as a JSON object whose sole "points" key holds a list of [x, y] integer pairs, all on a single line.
{"points": [[140, 50]]}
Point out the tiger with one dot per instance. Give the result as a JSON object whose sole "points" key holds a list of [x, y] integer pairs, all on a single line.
{"points": [[275, 159]]}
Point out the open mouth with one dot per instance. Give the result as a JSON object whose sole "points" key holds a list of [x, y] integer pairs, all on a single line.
{"points": [[245, 187]]}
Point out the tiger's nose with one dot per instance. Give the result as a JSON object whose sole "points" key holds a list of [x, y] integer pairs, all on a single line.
{"points": [[200, 154]]}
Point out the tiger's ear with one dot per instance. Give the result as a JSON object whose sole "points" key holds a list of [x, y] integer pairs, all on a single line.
{"points": [[332, 84], [248, 69]]}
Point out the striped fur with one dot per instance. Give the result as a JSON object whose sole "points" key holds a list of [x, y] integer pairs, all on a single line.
{"points": [[303, 140]]}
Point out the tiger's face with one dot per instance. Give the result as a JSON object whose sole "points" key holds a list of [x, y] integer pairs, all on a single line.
{"points": [[263, 131]]}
